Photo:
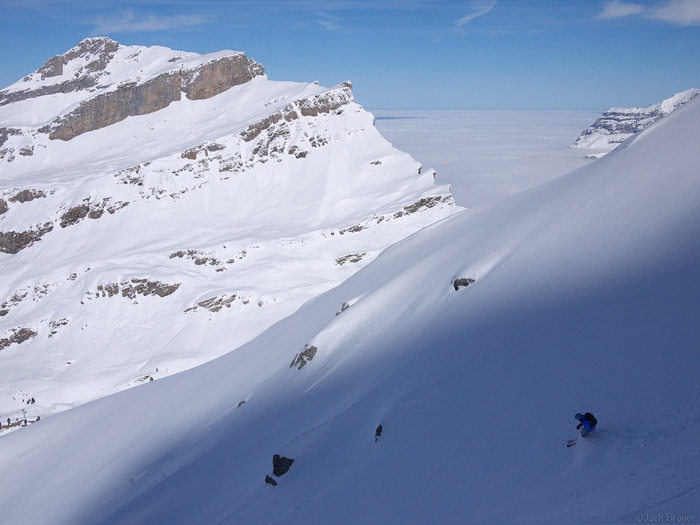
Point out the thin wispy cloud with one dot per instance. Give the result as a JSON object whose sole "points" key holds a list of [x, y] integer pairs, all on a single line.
{"points": [[331, 23], [478, 9], [679, 12], [616, 9], [130, 22], [676, 12]]}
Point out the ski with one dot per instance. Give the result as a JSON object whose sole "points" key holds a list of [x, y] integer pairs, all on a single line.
{"points": [[570, 443]]}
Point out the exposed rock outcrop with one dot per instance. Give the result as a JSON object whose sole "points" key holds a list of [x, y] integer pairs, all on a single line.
{"points": [[27, 196], [343, 307], [326, 102], [17, 336], [200, 258], [303, 357], [458, 283], [92, 210], [34, 293], [56, 325], [134, 287], [109, 108], [419, 206], [350, 258], [8, 132], [216, 303], [280, 465], [132, 99], [270, 481], [12, 242], [219, 75]]}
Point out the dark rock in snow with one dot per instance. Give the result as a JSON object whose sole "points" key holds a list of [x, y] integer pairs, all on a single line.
{"points": [[280, 465], [74, 215], [343, 307], [27, 196], [351, 257], [378, 432], [304, 357], [463, 282], [13, 242], [270, 481], [18, 336]]}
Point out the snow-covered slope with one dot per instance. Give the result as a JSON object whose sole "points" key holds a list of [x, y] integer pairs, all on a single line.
{"points": [[148, 244], [584, 299], [616, 125]]}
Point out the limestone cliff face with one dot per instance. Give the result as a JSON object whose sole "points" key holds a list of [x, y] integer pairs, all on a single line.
{"points": [[116, 89], [138, 99], [219, 75], [128, 100]]}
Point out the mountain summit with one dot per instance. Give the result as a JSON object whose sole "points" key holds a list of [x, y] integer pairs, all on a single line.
{"points": [[99, 83], [160, 208]]}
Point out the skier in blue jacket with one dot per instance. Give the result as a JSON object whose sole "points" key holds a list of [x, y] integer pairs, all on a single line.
{"points": [[587, 421]]}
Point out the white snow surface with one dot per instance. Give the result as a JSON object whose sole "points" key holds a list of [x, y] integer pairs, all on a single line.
{"points": [[247, 226], [585, 299]]}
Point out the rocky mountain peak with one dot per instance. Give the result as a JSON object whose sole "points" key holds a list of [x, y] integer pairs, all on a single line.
{"points": [[99, 82], [97, 52]]}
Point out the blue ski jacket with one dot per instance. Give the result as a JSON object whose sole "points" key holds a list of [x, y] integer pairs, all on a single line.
{"points": [[587, 425]]}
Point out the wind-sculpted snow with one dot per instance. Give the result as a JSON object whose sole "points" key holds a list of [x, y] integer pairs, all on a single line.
{"points": [[163, 240], [416, 403]]}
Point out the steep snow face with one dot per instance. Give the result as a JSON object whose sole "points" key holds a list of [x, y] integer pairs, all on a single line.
{"points": [[583, 297], [163, 240], [618, 124]]}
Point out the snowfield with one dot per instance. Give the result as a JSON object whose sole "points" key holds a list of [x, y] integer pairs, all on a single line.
{"points": [[585, 298]]}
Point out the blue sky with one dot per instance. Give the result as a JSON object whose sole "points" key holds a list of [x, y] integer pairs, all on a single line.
{"points": [[414, 54]]}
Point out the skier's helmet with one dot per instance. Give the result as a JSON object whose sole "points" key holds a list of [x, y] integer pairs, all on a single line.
{"points": [[579, 416]]}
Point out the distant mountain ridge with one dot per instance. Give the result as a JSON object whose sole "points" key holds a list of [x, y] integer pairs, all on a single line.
{"points": [[618, 124]]}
